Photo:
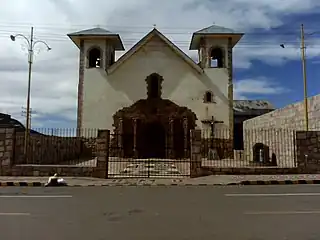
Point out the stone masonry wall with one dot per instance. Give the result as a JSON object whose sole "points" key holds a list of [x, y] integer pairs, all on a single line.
{"points": [[44, 149], [9, 168], [6, 144], [277, 130], [308, 150], [281, 142], [291, 116]]}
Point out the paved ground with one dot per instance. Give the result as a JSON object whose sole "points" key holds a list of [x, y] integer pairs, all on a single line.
{"points": [[244, 213], [209, 180]]}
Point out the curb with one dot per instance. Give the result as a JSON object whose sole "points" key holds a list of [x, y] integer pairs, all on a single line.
{"points": [[282, 182], [40, 184], [21, 184], [242, 183], [153, 185]]}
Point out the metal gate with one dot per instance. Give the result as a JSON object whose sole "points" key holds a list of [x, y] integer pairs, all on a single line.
{"points": [[152, 154]]}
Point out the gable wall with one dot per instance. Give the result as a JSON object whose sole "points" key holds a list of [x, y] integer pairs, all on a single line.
{"points": [[105, 94]]}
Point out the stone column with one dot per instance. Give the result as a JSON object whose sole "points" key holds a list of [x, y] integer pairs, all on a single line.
{"points": [[80, 89], [195, 161], [171, 146], [230, 90], [203, 54], [120, 138], [6, 150], [102, 144], [185, 136], [135, 152]]}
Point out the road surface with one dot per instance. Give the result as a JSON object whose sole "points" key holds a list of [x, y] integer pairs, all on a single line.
{"points": [[99, 213]]}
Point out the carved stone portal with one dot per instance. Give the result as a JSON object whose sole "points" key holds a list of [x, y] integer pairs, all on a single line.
{"points": [[153, 127]]}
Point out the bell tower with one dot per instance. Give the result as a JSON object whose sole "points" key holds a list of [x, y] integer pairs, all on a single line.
{"points": [[97, 51], [215, 49]]}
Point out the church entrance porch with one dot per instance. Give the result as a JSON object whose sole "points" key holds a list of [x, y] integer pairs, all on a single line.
{"points": [[152, 136], [153, 129], [153, 147]]}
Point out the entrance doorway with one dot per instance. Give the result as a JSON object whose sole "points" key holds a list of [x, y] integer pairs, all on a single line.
{"points": [[153, 141]]}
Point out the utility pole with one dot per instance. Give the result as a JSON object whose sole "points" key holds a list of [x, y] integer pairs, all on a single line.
{"points": [[304, 72], [31, 43], [30, 60], [24, 114]]}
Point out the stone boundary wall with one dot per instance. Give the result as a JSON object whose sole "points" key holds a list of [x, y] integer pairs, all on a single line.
{"points": [[289, 117], [6, 150], [9, 168], [46, 149], [281, 142], [49, 170], [308, 150], [277, 130]]}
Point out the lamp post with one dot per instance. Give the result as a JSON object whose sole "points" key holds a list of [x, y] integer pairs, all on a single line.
{"points": [[31, 44], [304, 75]]}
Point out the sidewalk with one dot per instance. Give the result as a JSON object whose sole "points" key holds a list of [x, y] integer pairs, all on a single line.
{"points": [[202, 181]]}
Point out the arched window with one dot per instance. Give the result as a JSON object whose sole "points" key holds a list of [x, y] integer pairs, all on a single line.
{"points": [[154, 86], [208, 97], [216, 58], [94, 57]]}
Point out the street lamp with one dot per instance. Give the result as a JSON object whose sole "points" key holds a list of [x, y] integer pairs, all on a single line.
{"points": [[31, 44], [304, 72]]}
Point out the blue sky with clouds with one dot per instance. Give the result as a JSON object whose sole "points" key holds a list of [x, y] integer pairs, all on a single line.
{"points": [[288, 75], [263, 70]]}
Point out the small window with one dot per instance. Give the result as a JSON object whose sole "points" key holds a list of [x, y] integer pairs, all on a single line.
{"points": [[216, 58], [112, 59], [94, 58], [208, 97]]}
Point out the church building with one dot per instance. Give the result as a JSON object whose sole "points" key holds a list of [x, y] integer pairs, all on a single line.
{"points": [[154, 94]]}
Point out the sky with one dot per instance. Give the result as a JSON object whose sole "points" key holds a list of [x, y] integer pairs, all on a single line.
{"points": [[262, 69]]}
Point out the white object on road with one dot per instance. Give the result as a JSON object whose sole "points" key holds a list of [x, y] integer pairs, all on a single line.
{"points": [[55, 181]]}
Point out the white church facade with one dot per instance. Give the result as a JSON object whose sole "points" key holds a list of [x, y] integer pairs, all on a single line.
{"points": [[155, 89]]}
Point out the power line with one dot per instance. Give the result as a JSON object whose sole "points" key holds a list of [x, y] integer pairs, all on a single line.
{"points": [[76, 26], [242, 44], [245, 43], [134, 29], [62, 37]]}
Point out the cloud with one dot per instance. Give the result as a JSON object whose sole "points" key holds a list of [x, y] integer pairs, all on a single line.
{"points": [[55, 73], [258, 86]]}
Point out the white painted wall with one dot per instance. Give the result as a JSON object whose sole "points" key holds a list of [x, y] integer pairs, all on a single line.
{"points": [[105, 94]]}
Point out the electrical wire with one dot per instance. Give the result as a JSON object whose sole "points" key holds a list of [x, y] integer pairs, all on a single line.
{"points": [[257, 39]]}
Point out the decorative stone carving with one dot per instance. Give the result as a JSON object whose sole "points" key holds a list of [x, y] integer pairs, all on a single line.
{"points": [[152, 111]]}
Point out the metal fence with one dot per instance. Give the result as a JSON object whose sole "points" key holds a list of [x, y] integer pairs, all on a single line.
{"points": [[262, 148], [157, 156], [56, 147], [160, 157]]}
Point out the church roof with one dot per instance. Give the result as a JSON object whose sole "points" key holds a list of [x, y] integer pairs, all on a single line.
{"points": [[144, 41], [247, 105], [96, 32], [92, 32], [216, 30]]}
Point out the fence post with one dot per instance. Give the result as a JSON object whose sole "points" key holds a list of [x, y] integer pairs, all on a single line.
{"points": [[195, 161], [6, 150], [102, 154]]}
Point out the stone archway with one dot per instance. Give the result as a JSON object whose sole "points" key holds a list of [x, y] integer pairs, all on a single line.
{"points": [[151, 140], [260, 153], [134, 127], [153, 127]]}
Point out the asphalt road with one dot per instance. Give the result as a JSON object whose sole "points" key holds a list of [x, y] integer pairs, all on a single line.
{"points": [[99, 213]]}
